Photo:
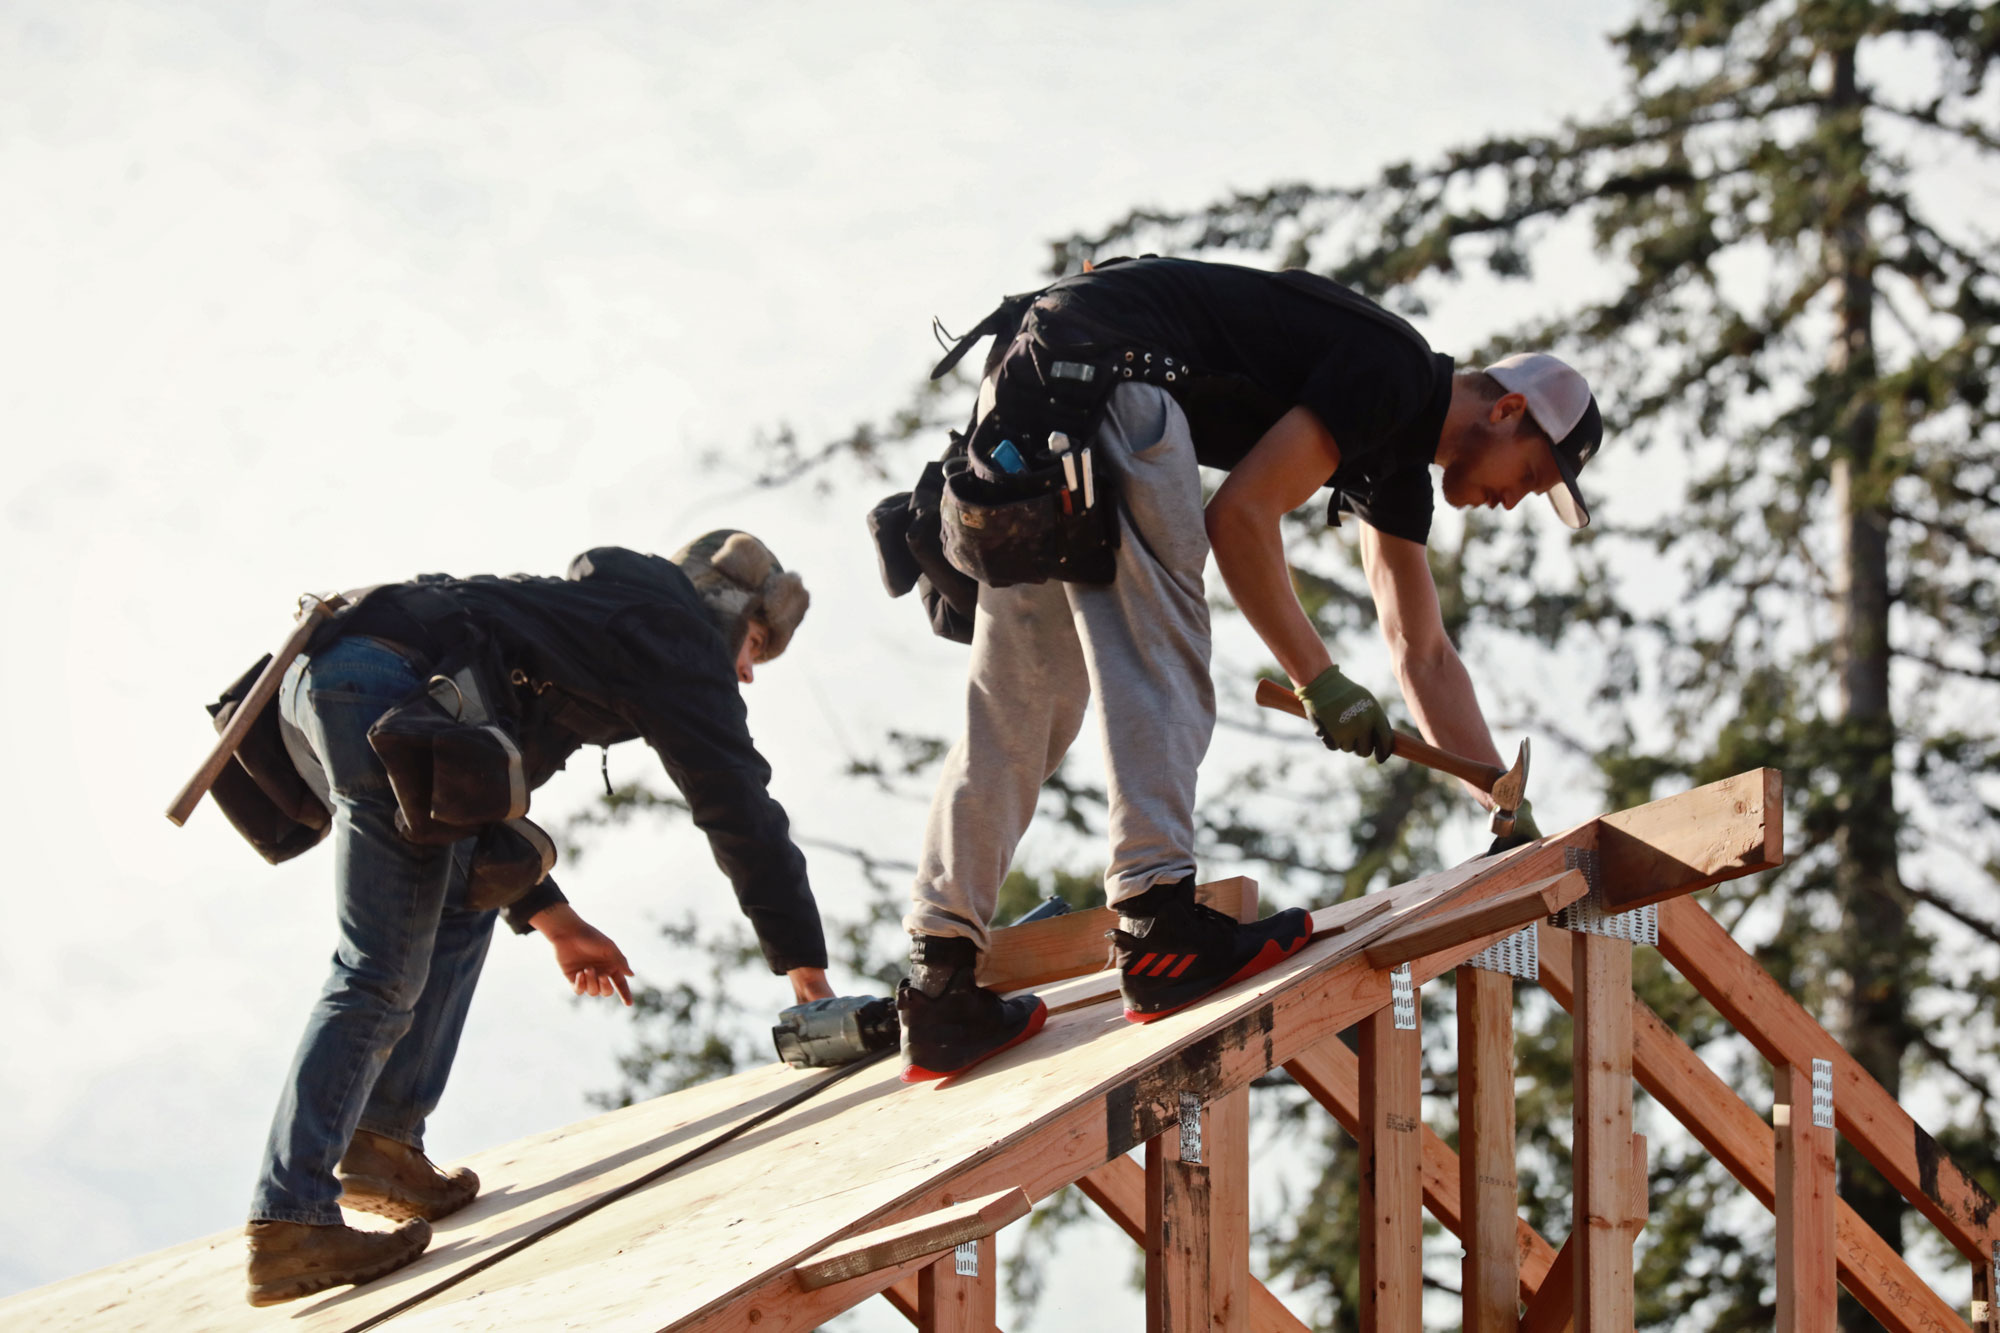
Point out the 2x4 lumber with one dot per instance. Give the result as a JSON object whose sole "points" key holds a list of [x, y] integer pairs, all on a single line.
{"points": [[1602, 1140], [1179, 1205], [1737, 1137], [949, 1301], [912, 1238], [1785, 1034], [1552, 1309], [1986, 1293], [1226, 1148], [1072, 945], [1488, 1191], [1808, 1294], [1392, 1224], [1118, 1188], [1675, 846], [1331, 1074], [1508, 912]]}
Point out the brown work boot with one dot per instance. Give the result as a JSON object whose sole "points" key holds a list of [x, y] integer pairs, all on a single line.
{"points": [[380, 1175], [292, 1259]]}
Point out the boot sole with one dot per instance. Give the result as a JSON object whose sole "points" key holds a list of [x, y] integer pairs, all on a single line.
{"points": [[308, 1284], [1267, 957], [919, 1074]]}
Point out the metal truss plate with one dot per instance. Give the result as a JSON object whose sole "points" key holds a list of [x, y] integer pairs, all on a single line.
{"points": [[966, 1259], [1519, 955], [1190, 1128], [1641, 925], [1822, 1071], [1403, 999]]}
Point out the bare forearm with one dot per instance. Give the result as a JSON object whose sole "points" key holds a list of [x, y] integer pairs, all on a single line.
{"points": [[1250, 555], [1441, 698]]}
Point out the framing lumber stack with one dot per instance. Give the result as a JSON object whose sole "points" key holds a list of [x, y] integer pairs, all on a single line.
{"points": [[875, 1188]]}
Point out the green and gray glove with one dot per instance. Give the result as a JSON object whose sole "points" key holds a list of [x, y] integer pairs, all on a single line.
{"points": [[1524, 832], [1346, 716]]}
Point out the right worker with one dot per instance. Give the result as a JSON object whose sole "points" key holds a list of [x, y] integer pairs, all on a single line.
{"points": [[1103, 395]]}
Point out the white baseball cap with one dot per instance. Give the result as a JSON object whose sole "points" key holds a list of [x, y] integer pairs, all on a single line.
{"points": [[1562, 405]]}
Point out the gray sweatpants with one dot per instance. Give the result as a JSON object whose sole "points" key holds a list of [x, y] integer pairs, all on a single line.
{"points": [[1039, 652]]}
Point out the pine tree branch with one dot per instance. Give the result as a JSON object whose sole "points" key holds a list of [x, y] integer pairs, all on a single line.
{"points": [[1976, 924], [1969, 673], [1972, 132]]}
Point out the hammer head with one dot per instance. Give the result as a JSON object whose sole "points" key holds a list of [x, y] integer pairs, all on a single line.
{"points": [[1509, 789]]}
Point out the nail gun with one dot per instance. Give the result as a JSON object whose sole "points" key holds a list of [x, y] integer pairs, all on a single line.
{"points": [[835, 1032]]}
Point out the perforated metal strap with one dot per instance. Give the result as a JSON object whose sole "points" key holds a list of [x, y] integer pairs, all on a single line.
{"points": [[1403, 999], [1190, 1128], [1519, 955], [966, 1259], [1641, 925]]}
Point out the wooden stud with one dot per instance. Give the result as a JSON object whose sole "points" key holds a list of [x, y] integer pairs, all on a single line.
{"points": [[1553, 1308], [1784, 1033], [912, 1238], [1488, 1193], [1392, 1224], [1505, 913], [949, 1301], [1226, 1150], [1808, 1295], [1179, 1204], [1332, 1075], [1986, 1293], [1602, 1141], [1119, 1189], [1737, 1137]]}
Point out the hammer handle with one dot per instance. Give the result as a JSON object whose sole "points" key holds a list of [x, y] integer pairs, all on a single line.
{"points": [[246, 712], [1270, 694]]}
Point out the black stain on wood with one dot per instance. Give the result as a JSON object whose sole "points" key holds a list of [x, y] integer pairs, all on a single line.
{"points": [[1930, 1160], [1118, 1138], [1149, 1102]]}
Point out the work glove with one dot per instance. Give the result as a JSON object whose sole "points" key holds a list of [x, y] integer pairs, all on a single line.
{"points": [[1524, 832], [1346, 716]]}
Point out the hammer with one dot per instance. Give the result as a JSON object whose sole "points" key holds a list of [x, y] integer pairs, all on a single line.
{"points": [[1506, 785]]}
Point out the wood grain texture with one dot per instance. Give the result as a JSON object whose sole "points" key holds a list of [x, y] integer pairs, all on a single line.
{"points": [[1808, 1287], [952, 1302], [1332, 1075], [1602, 1139], [1553, 1308], [912, 1238], [1667, 848], [1179, 1203], [1508, 912], [1737, 1137], [1392, 1223], [1866, 1115], [1490, 1276]]}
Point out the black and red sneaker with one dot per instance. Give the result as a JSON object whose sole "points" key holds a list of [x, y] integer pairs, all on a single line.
{"points": [[950, 1022], [1172, 950]]}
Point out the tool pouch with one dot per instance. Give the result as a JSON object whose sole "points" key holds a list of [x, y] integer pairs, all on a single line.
{"points": [[453, 768], [510, 858], [909, 545], [260, 791]]}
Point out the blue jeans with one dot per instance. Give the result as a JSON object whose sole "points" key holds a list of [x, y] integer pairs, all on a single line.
{"points": [[379, 1044]]}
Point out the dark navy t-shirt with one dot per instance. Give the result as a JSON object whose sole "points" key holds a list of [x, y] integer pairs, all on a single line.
{"points": [[1261, 343]]}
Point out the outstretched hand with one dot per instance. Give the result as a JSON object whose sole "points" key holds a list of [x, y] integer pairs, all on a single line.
{"points": [[589, 960]]}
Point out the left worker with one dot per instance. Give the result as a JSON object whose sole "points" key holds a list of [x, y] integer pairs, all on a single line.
{"points": [[381, 706]]}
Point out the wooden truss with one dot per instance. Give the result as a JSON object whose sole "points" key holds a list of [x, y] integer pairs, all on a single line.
{"points": [[874, 1188]]}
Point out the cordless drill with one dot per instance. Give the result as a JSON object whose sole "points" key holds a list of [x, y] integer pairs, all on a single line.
{"points": [[835, 1032]]}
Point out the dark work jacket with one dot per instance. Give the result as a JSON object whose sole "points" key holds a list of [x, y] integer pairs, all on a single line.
{"points": [[625, 649]]}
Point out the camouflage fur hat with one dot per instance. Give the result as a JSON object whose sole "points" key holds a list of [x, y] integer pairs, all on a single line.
{"points": [[740, 580]]}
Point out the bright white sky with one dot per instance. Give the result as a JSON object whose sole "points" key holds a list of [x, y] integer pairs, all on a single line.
{"points": [[304, 296]]}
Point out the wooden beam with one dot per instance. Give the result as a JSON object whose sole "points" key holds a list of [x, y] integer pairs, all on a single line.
{"points": [[1602, 1142], [1553, 1308], [1675, 846], [1119, 1189], [1986, 1293], [912, 1238], [1179, 1204], [1226, 1150], [1808, 1291], [1488, 1192], [1392, 1224], [1867, 1116], [1072, 945], [1737, 1137], [1507, 912], [949, 1301], [1332, 1075]]}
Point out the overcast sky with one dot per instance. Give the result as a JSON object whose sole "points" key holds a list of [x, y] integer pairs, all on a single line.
{"points": [[312, 296]]}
